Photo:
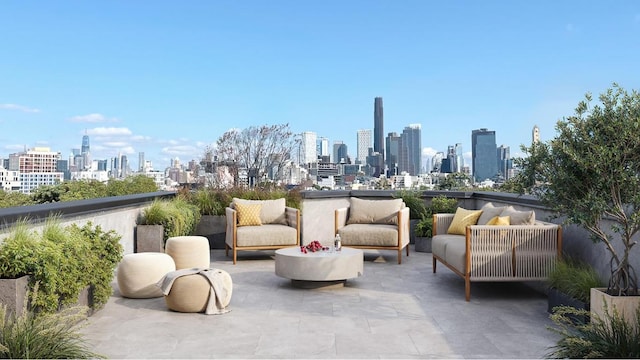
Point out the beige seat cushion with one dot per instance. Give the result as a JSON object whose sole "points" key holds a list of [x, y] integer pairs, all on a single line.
{"points": [[439, 243], [266, 235], [272, 211], [138, 274], [374, 211], [369, 235], [189, 251]]}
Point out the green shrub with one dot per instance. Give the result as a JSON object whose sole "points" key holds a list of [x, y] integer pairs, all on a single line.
{"points": [[413, 200], [177, 216], [439, 205], [214, 201], [43, 335], [62, 261], [574, 278], [609, 338]]}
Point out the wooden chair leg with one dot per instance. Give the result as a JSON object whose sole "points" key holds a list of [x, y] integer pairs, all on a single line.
{"points": [[235, 255], [399, 256], [467, 288], [434, 264], [226, 250], [407, 250]]}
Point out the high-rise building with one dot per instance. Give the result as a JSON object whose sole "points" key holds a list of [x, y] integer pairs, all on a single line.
{"points": [[378, 127], [308, 154], [459, 158], [141, 161], [85, 152], [393, 147], [364, 143], [483, 155], [535, 134], [412, 146], [322, 147], [340, 154], [505, 164], [37, 166]]}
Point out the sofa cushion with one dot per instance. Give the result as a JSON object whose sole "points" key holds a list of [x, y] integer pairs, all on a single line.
{"points": [[272, 210], [455, 255], [374, 211], [249, 214], [461, 219], [500, 220], [266, 235], [439, 243], [489, 212], [369, 235], [519, 217]]}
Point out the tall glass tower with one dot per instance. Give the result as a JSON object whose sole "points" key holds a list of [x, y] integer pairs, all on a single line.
{"points": [[85, 152], [483, 154], [412, 144], [364, 143], [378, 127]]}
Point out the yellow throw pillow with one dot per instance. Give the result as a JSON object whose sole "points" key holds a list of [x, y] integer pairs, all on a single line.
{"points": [[249, 214], [499, 220], [461, 219]]}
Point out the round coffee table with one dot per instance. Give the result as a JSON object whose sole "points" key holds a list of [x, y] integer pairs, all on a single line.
{"points": [[319, 269]]}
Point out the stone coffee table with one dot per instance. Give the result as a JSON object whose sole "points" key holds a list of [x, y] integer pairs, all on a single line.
{"points": [[320, 268]]}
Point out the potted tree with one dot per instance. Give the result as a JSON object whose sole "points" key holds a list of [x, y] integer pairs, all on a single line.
{"points": [[590, 173], [424, 227]]}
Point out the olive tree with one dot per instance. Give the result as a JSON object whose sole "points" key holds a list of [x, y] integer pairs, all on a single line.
{"points": [[591, 172], [259, 149]]}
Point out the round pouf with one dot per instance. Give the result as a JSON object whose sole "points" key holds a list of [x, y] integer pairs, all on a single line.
{"points": [[189, 251], [190, 293], [138, 274]]}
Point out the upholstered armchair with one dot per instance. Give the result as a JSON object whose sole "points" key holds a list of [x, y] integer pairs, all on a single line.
{"points": [[374, 224], [261, 225]]}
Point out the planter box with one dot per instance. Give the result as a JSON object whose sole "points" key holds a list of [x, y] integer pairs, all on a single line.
{"points": [[13, 293], [149, 238], [626, 305], [214, 228], [423, 244]]}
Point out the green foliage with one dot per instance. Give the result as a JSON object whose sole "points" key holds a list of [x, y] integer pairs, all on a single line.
{"points": [[177, 216], [137, 184], [37, 335], [213, 201], [574, 278], [413, 200], [590, 171], [439, 205], [610, 338], [454, 181], [62, 260], [14, 198]]}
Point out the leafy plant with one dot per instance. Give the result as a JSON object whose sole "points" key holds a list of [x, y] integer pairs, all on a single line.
{"points": [[177, 216], [574, 278], [424, 227], [609, 338], [591, 172], [37, 335], [439, 205], [62, 260], [413, 200]]}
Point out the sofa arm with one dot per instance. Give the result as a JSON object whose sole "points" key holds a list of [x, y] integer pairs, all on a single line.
{"points": [[526, 252], [403, 226], [293, 216], [441, 223], [340, 219], [232, 220]]}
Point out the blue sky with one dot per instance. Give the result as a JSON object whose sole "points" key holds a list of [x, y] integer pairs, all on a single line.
{"points": [[168, 78]]}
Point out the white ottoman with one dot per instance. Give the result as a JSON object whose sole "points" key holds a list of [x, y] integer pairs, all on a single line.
{"points": [[189, 251], [138, 274], [190, 293]]}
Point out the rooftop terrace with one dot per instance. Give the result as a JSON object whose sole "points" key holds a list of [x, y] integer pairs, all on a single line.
{"points": [[392, 311]]}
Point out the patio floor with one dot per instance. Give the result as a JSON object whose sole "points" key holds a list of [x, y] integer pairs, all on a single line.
{"points": [[392, 311]]}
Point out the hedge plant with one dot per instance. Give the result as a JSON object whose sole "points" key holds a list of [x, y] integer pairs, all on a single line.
{"points": [[214, 201], [177, 216], [62, 261]]}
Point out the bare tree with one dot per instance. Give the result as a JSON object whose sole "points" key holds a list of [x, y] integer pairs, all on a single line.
{"points": [[260, 149]]}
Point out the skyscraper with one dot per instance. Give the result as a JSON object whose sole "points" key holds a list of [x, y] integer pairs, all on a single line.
{"points": [[340, 152], [459, 158], [85, 152], [535, 134], [393, 146], [364, 143], [322, 147], [308, 152], [483, 154], [412, 146], [505, 164], [378, 127]]}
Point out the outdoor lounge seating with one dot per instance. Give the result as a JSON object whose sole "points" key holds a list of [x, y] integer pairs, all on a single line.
{"points": [[519, 252], [374, 224], [261, 225]]}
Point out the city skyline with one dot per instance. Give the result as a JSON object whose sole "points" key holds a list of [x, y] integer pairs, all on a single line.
{"points": [[168, 80]]}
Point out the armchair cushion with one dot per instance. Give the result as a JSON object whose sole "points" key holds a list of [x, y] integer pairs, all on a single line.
{"points": [[249, 214], [461, 219], [367, 235], [374, 211], [272, 211], [519, 217], [489, 212], [267, 235]]}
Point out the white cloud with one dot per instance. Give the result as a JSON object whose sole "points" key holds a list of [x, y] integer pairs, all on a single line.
{"points": [[115, 144], [180, 150], [109, 131], [428, 152], [19, 108], [140, 138], [14, 147], [92, 118]]}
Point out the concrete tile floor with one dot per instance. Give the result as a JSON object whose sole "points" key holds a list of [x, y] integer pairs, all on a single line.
{"points": [[393, 311]]}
